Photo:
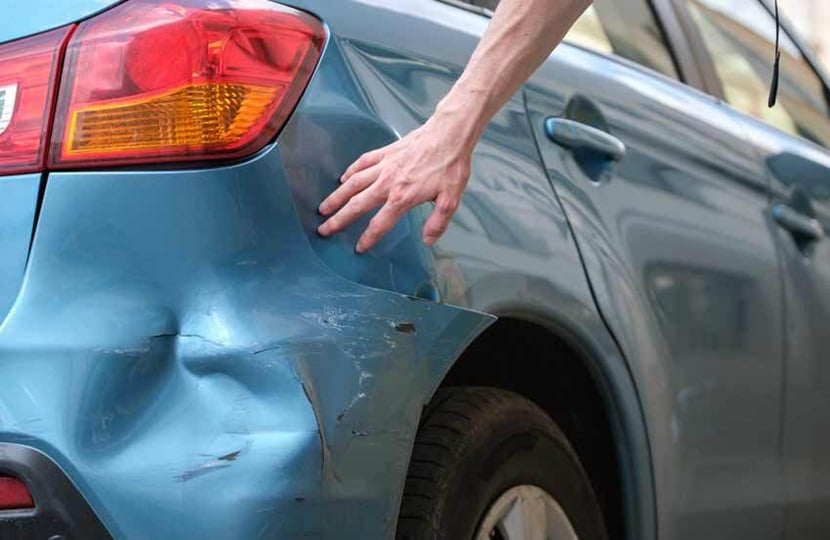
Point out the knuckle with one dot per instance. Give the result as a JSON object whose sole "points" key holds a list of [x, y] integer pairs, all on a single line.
{"points": [[370, 234], [359, 204], [438, 228], [362, 181], [447, 206], [399, 199], [334, 224], [369, 157], [377, 225]]}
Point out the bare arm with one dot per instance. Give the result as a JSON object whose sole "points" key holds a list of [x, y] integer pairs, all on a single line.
{"points": [[432, 163]]}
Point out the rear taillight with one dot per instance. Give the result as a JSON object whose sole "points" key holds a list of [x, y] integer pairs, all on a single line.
{"points": [[14, 495], [157, 81], [28, 72]]}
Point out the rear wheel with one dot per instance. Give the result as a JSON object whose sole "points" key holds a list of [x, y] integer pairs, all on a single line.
{"points": [[489, 464]]}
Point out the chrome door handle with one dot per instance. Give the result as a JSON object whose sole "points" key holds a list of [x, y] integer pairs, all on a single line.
{"points": [[574, 135], [797, 223]]}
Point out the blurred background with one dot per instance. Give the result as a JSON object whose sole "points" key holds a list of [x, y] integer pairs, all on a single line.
{"points": [[812, 20]]}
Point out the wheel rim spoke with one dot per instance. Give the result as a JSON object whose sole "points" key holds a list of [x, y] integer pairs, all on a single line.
{"points": [[526, 513]]}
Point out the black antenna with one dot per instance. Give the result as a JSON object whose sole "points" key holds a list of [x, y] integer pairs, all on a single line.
{"points": [[773, 89]]}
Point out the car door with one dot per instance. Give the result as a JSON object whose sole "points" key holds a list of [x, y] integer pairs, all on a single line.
{"points": [[669, 210], [792, 140]]}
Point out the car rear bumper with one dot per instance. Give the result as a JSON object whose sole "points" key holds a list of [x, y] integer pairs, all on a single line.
{"points": [[179, 350], [61, 510]]}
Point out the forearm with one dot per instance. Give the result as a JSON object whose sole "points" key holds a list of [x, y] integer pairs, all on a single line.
{"points": [[520, 36]]}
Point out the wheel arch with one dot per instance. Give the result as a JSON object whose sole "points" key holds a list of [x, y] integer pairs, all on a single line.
{"points": [[574, 373]]}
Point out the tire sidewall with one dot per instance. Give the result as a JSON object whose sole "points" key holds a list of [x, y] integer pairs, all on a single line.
{"points": [[517, 445]]}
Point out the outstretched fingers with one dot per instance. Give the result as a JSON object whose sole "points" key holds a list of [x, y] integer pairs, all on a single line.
{"points": [[382, 223], [356, 183], [359, 205], [365, 161]]}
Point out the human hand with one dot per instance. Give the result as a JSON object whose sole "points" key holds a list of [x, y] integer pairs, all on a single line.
{"points": [[430, 164]]}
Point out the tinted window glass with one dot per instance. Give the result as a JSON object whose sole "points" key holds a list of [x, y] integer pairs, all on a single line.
{"points": [[740, 35], [626, 28]]}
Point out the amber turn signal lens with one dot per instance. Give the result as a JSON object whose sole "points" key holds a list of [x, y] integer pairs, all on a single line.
{"points": [[192, 117]]}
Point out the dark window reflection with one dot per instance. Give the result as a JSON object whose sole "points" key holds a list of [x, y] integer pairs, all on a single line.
{"points": [[701, 309], [626, 28]]}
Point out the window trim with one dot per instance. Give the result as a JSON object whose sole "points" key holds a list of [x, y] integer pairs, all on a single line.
{"points": [[667, 20], [677, 42], [461, 4], [710, 82]]}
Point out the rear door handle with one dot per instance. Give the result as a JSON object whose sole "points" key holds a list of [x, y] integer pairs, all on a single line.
{"points": [[797, 223], [577, 136]]}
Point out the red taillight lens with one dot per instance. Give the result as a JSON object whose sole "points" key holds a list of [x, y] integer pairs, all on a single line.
{"points": [[14, 495], [155, 80], [28, 71]]}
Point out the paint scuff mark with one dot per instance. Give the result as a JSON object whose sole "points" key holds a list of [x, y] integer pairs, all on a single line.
{"points": [[173, 335], [405, 327], [267, 349], [201, 470], [229, 457], [310, 396], [221, 462]]}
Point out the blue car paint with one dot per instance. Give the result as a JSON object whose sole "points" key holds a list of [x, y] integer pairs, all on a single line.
{"points": [[183, 354], [680, 250], [800, 177], [510, 250], [170, 340], [18, 201], [183, 340]]}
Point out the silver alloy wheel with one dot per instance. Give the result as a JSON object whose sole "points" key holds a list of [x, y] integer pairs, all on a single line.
{"points": [[526, 513]]}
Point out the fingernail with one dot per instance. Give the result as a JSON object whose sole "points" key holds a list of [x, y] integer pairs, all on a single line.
{"points": [[323, 209], [323, 230], [360, 249]]}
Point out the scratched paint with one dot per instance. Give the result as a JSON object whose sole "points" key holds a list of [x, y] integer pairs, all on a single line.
{"points": [[198, 369], [182, 346]]}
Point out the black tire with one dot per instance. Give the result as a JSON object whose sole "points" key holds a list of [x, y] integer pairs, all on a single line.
{"points": [[473, 445]]}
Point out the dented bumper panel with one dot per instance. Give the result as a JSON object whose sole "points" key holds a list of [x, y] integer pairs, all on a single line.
{"points": [[180, 351]]}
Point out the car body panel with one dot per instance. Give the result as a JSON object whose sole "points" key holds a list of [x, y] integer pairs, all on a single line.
{"points": [[18, 201], [679, 248], [203, 324], [170, 355], [200, 362], [509, 252], [800, 175]]}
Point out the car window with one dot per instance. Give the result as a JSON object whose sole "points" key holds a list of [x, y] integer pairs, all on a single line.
{"points": [[739, 36], [627, 28]]}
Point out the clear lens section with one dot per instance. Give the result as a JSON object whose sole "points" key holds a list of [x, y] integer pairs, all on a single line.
{"points": [[28, 68], [8, 99], [154, 81]]}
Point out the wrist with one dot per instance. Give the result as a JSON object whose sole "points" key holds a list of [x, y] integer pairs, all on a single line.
{"points": [[459, 122]]}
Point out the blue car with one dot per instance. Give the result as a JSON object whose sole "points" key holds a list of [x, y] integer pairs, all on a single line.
{"points": [[624, 334]]}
